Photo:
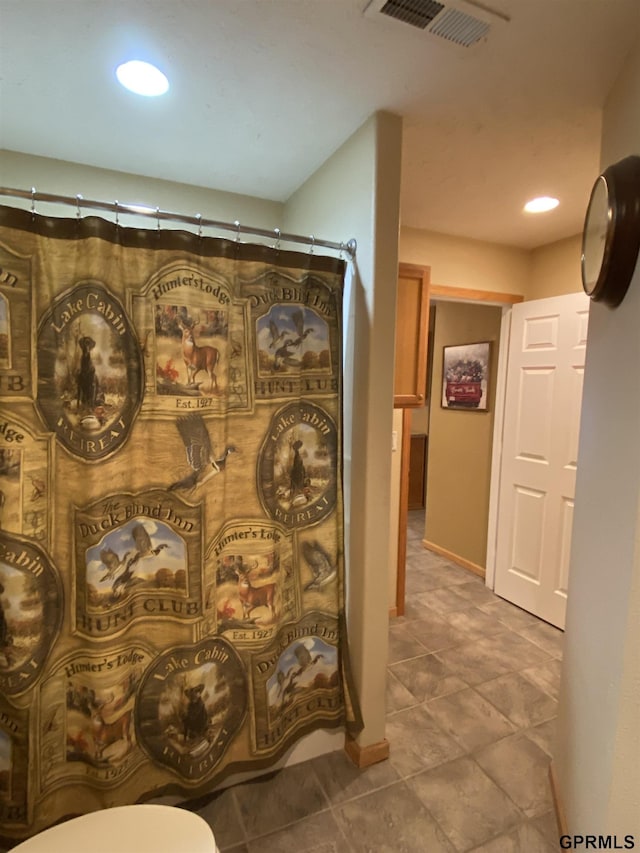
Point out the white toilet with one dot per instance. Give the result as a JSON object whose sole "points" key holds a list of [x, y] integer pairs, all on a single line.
{"points": [[126, 829]]}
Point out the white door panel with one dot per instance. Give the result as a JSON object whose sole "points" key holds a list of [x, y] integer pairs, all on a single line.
{"points": [[539, 453]]}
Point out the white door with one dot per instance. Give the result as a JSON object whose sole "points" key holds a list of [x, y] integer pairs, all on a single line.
{"points": [[539, 453]]}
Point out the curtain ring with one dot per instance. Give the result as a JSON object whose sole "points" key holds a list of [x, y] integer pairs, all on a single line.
{"points": [[313, 241], [33, 203], [341, 255], [115, 207], [158, 217], [78, 200], [276, 231], [237, 224], [199, 218]]}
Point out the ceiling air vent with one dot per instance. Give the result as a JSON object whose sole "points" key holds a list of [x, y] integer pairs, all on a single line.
{"points": [[458, 22], [418, 13]]}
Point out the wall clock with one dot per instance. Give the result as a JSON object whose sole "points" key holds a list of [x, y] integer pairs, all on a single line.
{"points": [[611, 234]]}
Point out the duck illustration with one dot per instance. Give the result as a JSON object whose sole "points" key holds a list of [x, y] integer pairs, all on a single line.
{"points": [[305, 658], [321, 564], [287, 685], [112, 562], [204, 464], [144, 547], [283, 355], [276, 334], [143, 543], [297, 318]]}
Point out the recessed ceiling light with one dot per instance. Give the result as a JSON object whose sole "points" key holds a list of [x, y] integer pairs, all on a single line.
{"points": [[541, 204], [142, 78]]}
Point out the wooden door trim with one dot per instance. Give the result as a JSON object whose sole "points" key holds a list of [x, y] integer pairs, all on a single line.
{"points": [[405, 450], [443, 291]]}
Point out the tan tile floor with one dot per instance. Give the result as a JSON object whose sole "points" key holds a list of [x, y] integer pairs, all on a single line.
{"points": [[471, 705], [472, 690]]}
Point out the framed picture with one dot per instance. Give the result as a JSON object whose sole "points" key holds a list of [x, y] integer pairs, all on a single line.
{"points": [[465, 377]]}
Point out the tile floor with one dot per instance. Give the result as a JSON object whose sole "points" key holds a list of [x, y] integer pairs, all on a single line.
{"points": [[471, 706]]}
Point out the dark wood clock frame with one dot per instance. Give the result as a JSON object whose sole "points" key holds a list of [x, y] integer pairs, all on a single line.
{"points": [[622, 232]]}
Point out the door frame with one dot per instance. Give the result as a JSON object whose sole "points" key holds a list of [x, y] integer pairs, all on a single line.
{"points": [[405, 449], [441, 292], [496, 448]]}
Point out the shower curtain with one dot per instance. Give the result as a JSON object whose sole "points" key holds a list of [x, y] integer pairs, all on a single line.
{"points": [[171, 551]]}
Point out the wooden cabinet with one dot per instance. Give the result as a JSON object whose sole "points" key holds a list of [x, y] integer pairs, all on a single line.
{"points": [[412, 327], [417, 471]]}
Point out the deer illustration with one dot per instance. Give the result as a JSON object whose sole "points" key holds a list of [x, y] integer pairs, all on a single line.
{"points": [[198, 358], [254, 596], [105, 734]]}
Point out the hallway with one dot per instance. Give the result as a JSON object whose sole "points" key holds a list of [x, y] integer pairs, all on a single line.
{"points": [[471, 704]]}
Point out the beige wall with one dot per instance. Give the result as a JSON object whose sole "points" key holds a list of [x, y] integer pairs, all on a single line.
{"points": [[460, 262], [460, 442], [621, 123], [356, 194], [550, 270], [420, 420], [23, 171], [555, 269], [597, 752]]}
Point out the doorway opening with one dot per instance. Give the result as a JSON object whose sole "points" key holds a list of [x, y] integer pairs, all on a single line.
{"points": [[458, 444]]}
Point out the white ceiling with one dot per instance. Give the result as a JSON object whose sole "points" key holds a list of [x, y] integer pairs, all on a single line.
{"points": [[263, 91]]}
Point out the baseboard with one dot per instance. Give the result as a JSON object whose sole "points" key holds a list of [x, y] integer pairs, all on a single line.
{"points": [[365, 756], [561, 819], [455, 558]]}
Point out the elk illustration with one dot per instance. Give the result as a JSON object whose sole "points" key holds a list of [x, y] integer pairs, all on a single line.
{"points": [[254, 596], [198, 358]]}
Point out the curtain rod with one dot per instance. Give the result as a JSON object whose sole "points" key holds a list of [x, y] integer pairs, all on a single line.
{"points": [[198, 220]]}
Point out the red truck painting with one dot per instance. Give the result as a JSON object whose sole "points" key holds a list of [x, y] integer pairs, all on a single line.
{"points": [[465, 376], [464, 393]]}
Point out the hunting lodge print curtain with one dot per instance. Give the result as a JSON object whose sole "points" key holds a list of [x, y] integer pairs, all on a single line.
{"points": [[171, 535]]}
